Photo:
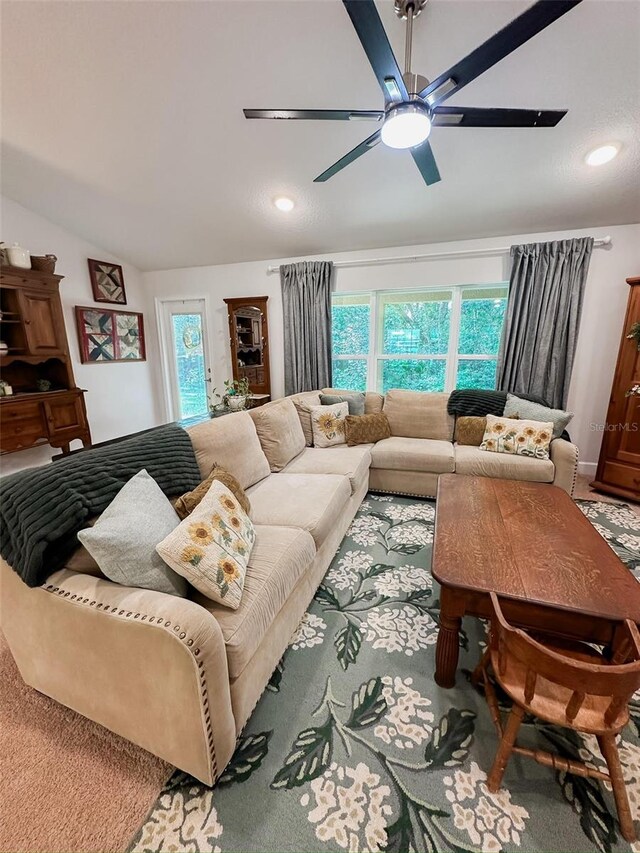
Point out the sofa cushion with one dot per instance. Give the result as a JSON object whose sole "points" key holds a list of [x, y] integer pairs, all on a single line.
{"points": [[82, 562], [372, 400], [419, 414], [303, 403], [280, 432], [413, 454], [232, 443], [280, 556], [479, 463], [312, 502], [351, 462]]}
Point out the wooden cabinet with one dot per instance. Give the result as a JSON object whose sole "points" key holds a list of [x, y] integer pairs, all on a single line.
{"points": [[54, 417], [619, 464], [249, 341], [43, 322], [32, 326]]}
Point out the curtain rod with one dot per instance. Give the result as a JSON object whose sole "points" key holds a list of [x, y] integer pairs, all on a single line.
{"points": [[599, 242]]}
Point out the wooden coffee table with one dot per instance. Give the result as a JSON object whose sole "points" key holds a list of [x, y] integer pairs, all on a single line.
{"points": [[531, 544]]}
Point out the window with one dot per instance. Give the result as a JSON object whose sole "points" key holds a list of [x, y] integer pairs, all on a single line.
{"points": [[429, 340], [414, 331], [351, 331], [481, 319]]}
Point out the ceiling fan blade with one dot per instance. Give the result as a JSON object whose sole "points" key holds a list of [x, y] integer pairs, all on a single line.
{"points": [[317, 115], [494, 117], [356, 152], [364, 17], [426, 162], [504, 42]]}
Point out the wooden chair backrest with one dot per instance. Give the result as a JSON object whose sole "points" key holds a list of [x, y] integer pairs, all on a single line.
{"points": [[618, 678]]}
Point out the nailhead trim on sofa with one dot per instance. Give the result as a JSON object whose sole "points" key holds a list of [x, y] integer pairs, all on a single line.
{"points": [[575, 470], [404, 494], [161, 623]]}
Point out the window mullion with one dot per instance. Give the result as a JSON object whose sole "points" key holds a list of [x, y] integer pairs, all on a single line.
{"points": [[454, 338], [373, 341]]}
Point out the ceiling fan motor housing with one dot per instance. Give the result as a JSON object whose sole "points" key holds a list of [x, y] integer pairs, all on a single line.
{"points": [[415, 83], [402, 7]]}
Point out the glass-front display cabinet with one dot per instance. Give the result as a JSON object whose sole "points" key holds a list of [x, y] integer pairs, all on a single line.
{"points": [[249, 341]]}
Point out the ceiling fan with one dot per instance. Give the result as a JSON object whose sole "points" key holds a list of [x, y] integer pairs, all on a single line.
{"points": [[413, 105]]}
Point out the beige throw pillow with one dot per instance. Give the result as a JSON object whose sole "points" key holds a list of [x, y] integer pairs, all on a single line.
{"points": [[517, 437], [212, 546], [280, 432], [328, 423], [303, 403]]}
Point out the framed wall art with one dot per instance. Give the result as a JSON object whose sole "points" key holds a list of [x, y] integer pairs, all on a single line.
{"points": [[106, 335], [107, 282]]}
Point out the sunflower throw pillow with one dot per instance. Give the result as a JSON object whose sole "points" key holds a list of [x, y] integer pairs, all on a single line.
{"points": [[327, 423], [518, 437], [212, 546]]}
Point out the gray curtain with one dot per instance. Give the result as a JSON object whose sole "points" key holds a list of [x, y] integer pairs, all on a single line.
{"points": [[543, 316], [306, 304]]}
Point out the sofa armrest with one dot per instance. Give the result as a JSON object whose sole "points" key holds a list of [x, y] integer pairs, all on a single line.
{"points": [[149, 666], [564, 456]]}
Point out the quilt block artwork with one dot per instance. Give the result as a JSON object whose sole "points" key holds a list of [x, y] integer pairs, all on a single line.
{"points": [[110, 335], [107, 282]]}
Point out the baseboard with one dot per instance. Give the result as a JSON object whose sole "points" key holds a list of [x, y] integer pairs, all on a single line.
{"points": [[587, 468]]}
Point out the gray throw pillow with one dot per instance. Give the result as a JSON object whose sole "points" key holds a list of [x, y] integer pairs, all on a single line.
{"points": [[528, 411], [123, 540], [355, 401]]}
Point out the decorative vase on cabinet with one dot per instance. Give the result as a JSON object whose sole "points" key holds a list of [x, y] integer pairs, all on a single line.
{"points": [[619, 464]]}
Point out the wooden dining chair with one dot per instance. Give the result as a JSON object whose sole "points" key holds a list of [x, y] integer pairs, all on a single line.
{"points": [[565, 683]]}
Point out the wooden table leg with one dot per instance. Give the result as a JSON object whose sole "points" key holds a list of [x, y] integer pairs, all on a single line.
{"points": [[448, 644]]}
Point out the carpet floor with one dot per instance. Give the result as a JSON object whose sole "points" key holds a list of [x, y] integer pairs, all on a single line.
{"points": [[354, 747], [66, 784]]}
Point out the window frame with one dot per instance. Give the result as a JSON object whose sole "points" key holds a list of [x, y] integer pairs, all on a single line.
{"points": [[452, 357]]}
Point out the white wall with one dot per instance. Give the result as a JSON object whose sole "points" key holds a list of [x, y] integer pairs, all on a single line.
{"points": [[120, 397], [603, 312]]}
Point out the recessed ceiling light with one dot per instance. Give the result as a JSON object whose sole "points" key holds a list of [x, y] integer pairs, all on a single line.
{"points": [[603, 154], [284, 204]]}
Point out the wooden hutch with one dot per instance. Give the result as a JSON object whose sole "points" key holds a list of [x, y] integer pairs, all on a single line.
{"points": [[619, 465], [32, 327], [249, 342]]}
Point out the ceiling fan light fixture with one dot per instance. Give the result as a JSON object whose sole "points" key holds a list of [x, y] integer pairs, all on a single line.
{"points": [[406, 126]]}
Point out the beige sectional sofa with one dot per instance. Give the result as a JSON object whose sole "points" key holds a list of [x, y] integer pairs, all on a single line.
{"points": [[180, 677]]}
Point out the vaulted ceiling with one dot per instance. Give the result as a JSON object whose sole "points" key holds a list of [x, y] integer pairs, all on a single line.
{"points": [[122, 121]]}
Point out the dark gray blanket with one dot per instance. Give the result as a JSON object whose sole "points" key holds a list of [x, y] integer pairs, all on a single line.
{"points": [[471, 402], [42, 509], [479, 402]]}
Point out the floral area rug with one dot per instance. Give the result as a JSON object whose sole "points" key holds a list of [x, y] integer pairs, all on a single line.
{"points": [[354, 747]]}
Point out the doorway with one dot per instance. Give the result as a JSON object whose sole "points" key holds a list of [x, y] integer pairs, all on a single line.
{"points": [[184, 342]]}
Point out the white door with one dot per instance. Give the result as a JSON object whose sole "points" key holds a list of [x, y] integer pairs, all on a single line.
{"points": [[183, 336]]}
